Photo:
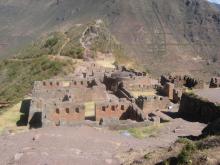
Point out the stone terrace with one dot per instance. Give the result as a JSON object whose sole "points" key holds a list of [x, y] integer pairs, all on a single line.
{"points": [[213, 95]]}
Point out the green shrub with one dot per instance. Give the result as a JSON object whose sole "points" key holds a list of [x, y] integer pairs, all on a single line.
{"points": [[51, 42], [184, 157]]}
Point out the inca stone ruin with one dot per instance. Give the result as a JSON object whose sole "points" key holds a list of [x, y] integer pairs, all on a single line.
{"points": [[98, 93], [95, 93]]}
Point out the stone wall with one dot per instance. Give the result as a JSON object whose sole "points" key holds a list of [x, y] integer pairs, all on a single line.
{"points": [[62, 114], [76, 93], [150, 104], [177, 80], [113, 109], [68, 83], [182, 80], [173, 93], [35, 113], [141, 83], [60, 101], [195, 108], [177, 94], [169, 90]]}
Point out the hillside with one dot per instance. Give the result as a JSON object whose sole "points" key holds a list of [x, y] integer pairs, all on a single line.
{"points": [[160, 35], [56, 54]]}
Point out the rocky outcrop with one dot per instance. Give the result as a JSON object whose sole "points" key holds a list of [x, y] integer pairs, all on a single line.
{"points": [[194, 108], [213, 128]]}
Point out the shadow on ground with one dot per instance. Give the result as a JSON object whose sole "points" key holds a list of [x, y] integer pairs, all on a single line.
{"points": [[24, 110], [173, 115], [171, 161], [36, 121]]}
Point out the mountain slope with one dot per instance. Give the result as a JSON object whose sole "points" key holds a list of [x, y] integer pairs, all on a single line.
{"points": [[56, 54], [161, 35]]}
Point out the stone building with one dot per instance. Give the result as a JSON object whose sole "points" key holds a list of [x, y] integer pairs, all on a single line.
{"points": [[113, 109], [108, 92], [152, 103], [173, 86]]}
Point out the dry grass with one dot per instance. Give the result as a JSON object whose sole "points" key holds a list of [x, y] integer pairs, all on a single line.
{"points": [[143, 132], [143, 93], [89, 109], [9, 118], [107, 62]]}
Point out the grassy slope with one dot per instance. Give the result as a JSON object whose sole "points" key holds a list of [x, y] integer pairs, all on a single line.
{"points": [[73, 48], [33, 63], [9, 118], [17, 77]]}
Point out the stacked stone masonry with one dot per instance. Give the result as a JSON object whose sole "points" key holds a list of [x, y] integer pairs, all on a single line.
{"points": [[61, 101]]}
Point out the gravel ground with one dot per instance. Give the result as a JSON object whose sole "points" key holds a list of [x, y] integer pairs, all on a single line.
{"points": [[85, 145]]}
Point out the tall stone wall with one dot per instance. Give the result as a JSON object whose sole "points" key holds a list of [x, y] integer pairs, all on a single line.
{"points": [[194, 108], [169, 90], [35, 113], [65, 114], [68, 83], [151, 104], [141, 83], [113, 109]]}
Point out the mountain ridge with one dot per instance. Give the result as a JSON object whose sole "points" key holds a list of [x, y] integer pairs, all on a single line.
{"points": [[158, 35]]}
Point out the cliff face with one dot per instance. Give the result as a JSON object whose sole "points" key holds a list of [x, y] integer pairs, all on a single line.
{"points": [[197, 109], [160, 35]]}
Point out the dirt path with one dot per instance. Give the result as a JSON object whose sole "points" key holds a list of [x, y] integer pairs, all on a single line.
{"points": [[81, 39], [86, 145], [67, 40]]}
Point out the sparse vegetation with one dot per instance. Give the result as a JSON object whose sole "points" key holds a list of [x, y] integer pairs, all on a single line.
{"points": [[51, 42], [144, 132], [9, 117], [185, 156], [73, 51], [194, 152], [74, 48], [18, 76]]}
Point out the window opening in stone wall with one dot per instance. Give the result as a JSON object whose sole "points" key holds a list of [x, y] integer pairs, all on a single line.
{"points": [[67, 110], [77, 110], [57, 111], [113, 108]]}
